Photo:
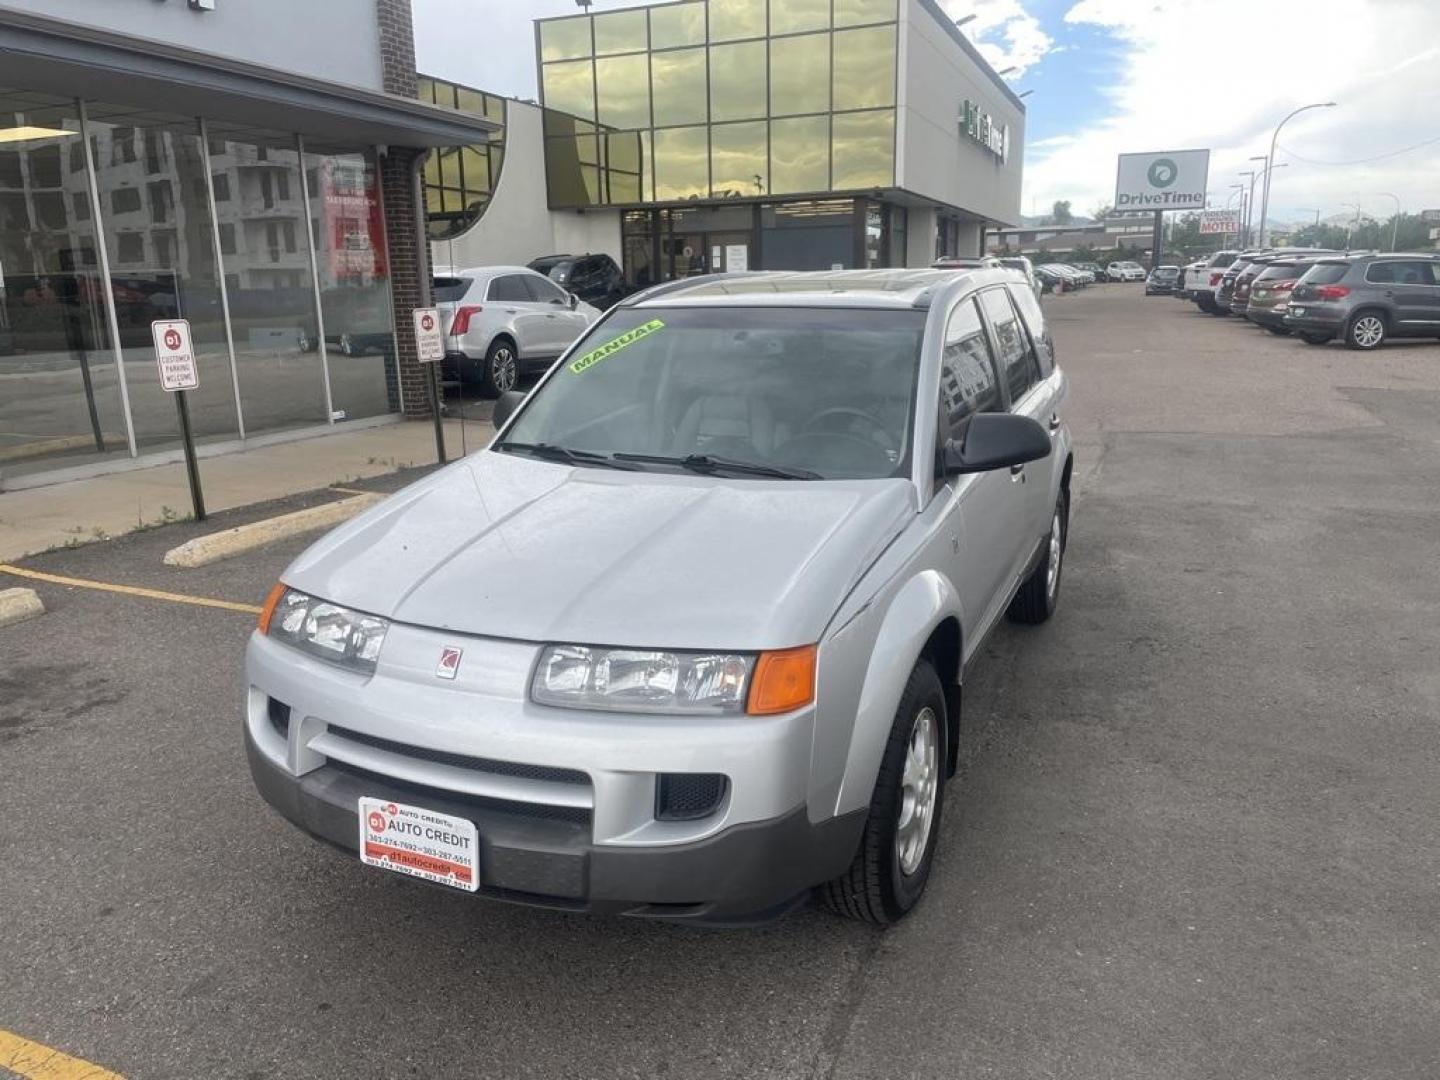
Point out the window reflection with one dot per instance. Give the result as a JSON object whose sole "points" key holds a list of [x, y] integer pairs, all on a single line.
{"points": [[565, 39], [857, 12], [624, 87], [800, 75], [737, 160], [620, 32], [733, 19], [865, 68], [469, 174], [675, 25], [864, 147], [679, 87], [800, 154], [570, 87], [737, 81], [681, 163], [793, 16]]}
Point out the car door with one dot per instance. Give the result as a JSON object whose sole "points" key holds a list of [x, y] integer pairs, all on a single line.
{"points": [[1027, 394], [1410, 288], [525, 318], [564, 323], [987, 506]]}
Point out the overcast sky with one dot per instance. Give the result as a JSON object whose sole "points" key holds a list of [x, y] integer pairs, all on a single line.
{"points": [[1112, 76]]}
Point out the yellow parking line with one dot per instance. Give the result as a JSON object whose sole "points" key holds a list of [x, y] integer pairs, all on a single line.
{"points": [[131, 590], [36, 1062]]}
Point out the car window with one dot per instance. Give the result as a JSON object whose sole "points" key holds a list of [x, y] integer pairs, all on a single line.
{"points": [[447, 290], [1281, 272], [543, 291], [1325, 273], [1222, 260], [1400, 273], [968, 383], [1035, 323], [510, 288], [1018, 365]]}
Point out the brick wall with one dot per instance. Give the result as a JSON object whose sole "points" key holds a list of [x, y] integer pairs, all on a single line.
{"points": [[400, 195]]}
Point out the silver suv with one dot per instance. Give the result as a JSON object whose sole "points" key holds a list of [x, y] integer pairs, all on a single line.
{"points": [[501, 321], [687, 640]]}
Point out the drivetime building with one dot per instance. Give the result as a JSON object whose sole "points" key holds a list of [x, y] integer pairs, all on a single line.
{"points": [[715, 135]]}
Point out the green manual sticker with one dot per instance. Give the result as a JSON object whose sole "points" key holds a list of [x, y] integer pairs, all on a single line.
{"points": [[594, 356]]}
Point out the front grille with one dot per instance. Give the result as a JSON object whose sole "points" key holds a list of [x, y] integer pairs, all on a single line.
{"points": [[685, 796], [577, 815], [279, 714], [464, 761]]}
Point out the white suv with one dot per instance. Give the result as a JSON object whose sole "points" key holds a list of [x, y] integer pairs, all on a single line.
{"points": [[501, 320], [1125, 271]]}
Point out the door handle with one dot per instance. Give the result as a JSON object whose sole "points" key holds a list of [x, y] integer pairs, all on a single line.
{"points": [[510, 310], [1017, 472], [1054, 421]]}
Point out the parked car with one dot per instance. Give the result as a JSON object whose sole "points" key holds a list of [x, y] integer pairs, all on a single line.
{"points": [[1125, 271], [1208, 278], [1161, 281], [595, 278], [1270, 293], [1225, 291], [1026, 267], [1367, 299], [1085, 276], [1093, 269], [1240, 291], [1050, 279], [502, 321], [1068, 276], [1185, 280], [686, 640]]}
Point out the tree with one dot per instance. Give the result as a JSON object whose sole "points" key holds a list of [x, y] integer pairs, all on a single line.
{"points": [[1060, 213], [1102, 211]]}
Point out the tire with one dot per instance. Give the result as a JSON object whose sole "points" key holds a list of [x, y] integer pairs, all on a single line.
{"points": [[1206, 303], [1366, 330], [1278, 331], [887, 878], [1040, 594], [1315, 339], [500, 370]]}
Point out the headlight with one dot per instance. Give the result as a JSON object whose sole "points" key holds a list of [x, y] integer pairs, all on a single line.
{"points": [[642, 680], [348, 638]]}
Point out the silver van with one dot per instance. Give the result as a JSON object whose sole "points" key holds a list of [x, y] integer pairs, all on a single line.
{"points": [[687, 639]]}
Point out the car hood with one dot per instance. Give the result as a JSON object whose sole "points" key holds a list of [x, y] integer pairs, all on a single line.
{"points": [[504, 546]]}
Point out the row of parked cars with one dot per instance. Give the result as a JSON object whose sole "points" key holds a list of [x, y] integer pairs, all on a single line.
{"points": [[1049, 277], [1363, 298]]}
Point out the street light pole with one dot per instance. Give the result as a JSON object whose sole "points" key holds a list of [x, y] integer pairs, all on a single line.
{"points": [[1395, 221], [1248, 208], [1265, 197], [1233, 189]]}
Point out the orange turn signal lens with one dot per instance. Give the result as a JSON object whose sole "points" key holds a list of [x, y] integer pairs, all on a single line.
{"points": [[783, 681], [268, 611]]}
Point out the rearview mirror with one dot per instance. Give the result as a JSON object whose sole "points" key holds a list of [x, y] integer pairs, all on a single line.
{"points": [[505, 407], [995, 441]]}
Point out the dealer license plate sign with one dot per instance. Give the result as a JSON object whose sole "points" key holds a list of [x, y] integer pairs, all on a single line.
{"points": [[419, 842], [1297, 311]]}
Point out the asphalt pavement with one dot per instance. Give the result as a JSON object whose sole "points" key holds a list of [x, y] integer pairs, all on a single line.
{"points": [[1193, 835]]}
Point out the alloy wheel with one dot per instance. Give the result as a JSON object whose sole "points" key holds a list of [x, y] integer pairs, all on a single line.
{"points": [[1368, 332], [503, 369], [918, 787], [1052, 564]]}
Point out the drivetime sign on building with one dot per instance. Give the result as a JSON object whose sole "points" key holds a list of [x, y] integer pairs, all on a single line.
{"points": [[1175, 180], [982, 127]]}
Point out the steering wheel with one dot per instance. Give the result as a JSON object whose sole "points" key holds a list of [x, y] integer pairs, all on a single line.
{"points": [[819, 419]]}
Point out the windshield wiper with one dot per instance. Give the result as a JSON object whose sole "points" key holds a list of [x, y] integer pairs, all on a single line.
{"points": [[709, 463], [551, 452]]}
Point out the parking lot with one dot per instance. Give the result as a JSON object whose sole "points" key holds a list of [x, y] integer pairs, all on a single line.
{"points": [[1193, 834]]}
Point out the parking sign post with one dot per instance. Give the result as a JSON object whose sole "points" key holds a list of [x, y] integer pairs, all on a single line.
{"points": [[430, 350], [175, 357]]}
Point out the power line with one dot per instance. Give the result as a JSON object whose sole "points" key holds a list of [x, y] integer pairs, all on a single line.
{"points": [[1362, 161]]}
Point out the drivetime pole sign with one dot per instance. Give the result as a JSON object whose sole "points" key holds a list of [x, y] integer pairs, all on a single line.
{"points": [[1173, 180]]}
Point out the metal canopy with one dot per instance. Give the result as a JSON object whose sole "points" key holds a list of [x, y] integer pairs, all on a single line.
{"points": [[72, 61]]}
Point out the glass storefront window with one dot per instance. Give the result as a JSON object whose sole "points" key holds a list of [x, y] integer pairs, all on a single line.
{"points": [[731, 20], [797, 16], [800, 75], [677, 25], [621, 32], [817, 234], [865, 68], [624, 90], [864, 149], [565, 39], [737, 81], [681, 163], [458, 183], [897, 240], [859, 12], [679, 80], [737, 160], [800, 155], [569, 87]]}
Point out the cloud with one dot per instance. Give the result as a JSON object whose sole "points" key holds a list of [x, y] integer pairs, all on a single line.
{"points": [[1006, 34], [1223, 77]]}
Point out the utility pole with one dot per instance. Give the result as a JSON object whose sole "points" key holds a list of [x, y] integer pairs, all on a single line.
{"points": [[1247, 206], [1275, 138], [1394, 222]]}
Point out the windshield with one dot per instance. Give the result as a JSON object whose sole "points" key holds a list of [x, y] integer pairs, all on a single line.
{"points": [[1281, 272], [1325, 273], [447, 290], [824, 390]]}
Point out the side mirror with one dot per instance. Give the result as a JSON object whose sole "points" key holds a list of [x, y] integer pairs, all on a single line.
{"points": [[996, 441], [507, 404]]}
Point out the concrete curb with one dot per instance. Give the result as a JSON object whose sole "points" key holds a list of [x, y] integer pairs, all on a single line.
{"points": [[17, 605], [213, 547]]}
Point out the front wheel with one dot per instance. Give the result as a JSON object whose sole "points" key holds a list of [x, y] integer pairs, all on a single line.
{"points": [[892, 866], [501, 369], [1040, 595], [1365, 331]]}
